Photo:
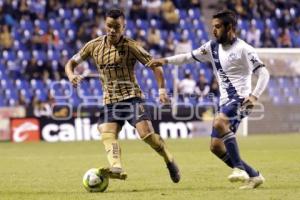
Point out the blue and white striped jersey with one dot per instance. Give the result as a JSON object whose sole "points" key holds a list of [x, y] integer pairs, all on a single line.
{"points": [[233, 66]]}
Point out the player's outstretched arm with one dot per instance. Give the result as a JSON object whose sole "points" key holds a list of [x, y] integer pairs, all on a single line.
{"points": [[69, 69], [179, 59]]}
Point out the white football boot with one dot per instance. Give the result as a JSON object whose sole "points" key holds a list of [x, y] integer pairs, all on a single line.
{"points": [[238, 175], [253, 182]]}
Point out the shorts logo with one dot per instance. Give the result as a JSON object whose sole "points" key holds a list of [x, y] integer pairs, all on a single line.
{"points": [[25, 130]]}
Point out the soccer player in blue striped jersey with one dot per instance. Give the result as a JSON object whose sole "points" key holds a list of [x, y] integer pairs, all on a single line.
{"points": [[234, 61]]}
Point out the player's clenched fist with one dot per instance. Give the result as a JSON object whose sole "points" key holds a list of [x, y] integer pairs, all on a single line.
{"points": [[163, 96], [75, 79], [156, 62]]}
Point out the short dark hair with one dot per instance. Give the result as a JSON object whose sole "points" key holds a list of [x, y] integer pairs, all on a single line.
{"points": [[227, 16], [115, 13]]}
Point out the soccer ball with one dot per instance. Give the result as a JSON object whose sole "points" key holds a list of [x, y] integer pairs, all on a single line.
{"points": [[93, 181]]}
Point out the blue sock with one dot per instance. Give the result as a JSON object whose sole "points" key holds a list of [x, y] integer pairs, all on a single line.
{"points": [[226, 159], [233, 150], [251, 172]]}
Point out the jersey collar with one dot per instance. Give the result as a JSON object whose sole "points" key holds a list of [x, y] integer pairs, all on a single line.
{"points": [[119, 42]]}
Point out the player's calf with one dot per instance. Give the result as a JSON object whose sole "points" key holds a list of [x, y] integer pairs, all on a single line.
{"points": [[157, 143]]}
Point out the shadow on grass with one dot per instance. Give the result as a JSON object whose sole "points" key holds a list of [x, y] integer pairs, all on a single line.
{"points": [[11, 192], [163, 190]]}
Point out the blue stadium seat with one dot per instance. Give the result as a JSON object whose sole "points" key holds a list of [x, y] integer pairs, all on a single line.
{"points": [[15, 33], [279, 100], [260, 24], [296, 81], [41, 94], [37, 84], [85, 93], [39, 55], [65, 13], [97, 92], [289, 92], [183, 14], [271, 23], [26, 24], [2, 102], [11, 102], [42, 24], [11, 94], [184, 25], [22, 84], [53, 55], [55, 24], [7, 84], [293, 100], [197, 13], [2, 68], [243, 24], [75, 100], [274, 91], [77, 13], [130, 25], [272, 82], [90, 101], [191, 13], [9, 55], [284, 82], [61, 101], [69, 25]]}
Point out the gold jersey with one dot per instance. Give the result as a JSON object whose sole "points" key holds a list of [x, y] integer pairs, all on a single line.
{"points": [[115, 64]]}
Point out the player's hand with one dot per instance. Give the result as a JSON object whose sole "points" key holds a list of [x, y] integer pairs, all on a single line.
{"points": [[75, 79], [156, 62], [248, 103], [163, 96]]}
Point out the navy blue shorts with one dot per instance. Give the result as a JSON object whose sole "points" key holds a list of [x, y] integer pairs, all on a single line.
{"points": [[232, 109], [132, 110]]}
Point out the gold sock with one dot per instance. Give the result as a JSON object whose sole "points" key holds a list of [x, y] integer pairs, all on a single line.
{"points": [[158, 144], [112, 149]]}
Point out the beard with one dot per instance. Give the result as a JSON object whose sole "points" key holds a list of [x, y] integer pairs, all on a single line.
{"points": [[113, 40], [223, 39]]}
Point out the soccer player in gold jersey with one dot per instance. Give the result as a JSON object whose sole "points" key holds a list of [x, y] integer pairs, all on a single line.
{"points": [[115, 57]]}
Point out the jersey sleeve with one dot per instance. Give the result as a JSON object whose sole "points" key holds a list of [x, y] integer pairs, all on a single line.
{"points": [[252, 59], [140, 53], [202, 54], [83, 53]]}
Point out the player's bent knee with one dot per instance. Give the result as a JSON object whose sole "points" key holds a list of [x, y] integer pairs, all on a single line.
{"points": [[109, 128], [108, 136], [216, 149], [144, 128], [155, 141], [220, 125]]}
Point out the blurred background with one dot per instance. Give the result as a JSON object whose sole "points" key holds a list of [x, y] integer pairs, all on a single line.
{"points": [[38, 37]]}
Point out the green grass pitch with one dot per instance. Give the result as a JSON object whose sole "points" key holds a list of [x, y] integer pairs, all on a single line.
{"points": [[46, 171]]}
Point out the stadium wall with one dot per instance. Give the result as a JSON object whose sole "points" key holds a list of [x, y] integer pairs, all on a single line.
{"points": [[84, 128], [277, 119]]}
